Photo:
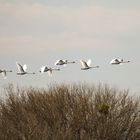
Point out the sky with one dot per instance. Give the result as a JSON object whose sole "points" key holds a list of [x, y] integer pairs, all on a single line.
{"points": [[38, 32]]}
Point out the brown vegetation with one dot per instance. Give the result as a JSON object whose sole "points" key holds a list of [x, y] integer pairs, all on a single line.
{"points": [[69, 112]]}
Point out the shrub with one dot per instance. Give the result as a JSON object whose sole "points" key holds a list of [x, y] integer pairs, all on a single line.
{"points": [[69, 112]]}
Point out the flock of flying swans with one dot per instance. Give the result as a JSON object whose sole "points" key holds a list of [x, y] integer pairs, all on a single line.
{"points": [[22, 70]]}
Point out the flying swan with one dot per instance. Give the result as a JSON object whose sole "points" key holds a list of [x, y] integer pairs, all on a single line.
{"points": [[49, 70], [4, 73], [63, 62], [118, 61], [86, 65], [22, 70]]}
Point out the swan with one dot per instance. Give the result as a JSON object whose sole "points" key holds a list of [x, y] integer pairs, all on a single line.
{"points": [[86, 65], [22, 70], [4, 73], [118, 61], [63, 62], [49, 70]]}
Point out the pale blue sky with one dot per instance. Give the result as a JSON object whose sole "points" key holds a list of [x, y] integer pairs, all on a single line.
{"points": [[37, 32]]}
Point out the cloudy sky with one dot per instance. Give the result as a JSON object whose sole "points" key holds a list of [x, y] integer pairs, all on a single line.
{"points": [[38, 32]]}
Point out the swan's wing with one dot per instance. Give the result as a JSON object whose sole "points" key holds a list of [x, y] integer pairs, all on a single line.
{"points": [[46, 69], [4, 74], [117, 60], [89, 62], [20, 68], [84, 64], [57, 61], [60, 61], [114, 61], [25, 67], [43, 69], [111, 61], [50, 72]]}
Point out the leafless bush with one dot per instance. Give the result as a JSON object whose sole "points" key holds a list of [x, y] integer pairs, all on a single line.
{"points": [[69, 112]]}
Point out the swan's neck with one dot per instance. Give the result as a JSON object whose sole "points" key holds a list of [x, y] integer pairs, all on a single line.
{"points": [[21, 73], [95, 67], [71, 62], [125, 61], [55, 69], [5, 71], [30, 73], [8, 70], [86, 68]]}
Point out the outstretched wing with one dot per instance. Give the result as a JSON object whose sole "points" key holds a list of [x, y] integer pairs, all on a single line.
{"points": [[43, 69], [50, 72], [89, 62], [57, 61], [4, 74], [25, 67], [113, 61], [117, 60], [84, 64], [20, 68]]}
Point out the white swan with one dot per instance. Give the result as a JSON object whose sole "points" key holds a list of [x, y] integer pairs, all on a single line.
{"points": [[22, 70], [118, 61], [4, 73], [86, 65], [49, 70], [63, 62]]}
